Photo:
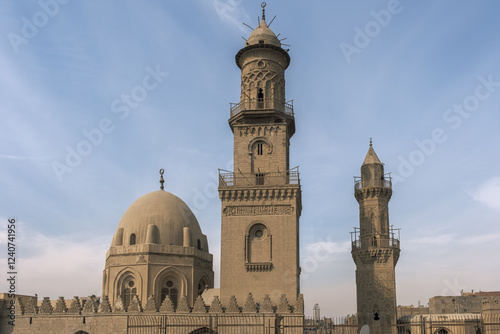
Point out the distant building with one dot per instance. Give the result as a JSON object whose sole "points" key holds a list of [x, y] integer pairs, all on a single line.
{"points": [[467, 302], [316, 313], [412, 310]]}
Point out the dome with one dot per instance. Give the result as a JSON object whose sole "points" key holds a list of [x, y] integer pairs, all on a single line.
{"points": [[263, 33], [161, 218]]}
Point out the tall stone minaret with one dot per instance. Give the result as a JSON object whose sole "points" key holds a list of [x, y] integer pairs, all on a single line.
{"points": [[261, 199], [375, 247]]}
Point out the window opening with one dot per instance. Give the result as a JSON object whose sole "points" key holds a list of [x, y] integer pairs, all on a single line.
{"points": [[259, 179], [132, 239], [171, 291], [260, 148]]}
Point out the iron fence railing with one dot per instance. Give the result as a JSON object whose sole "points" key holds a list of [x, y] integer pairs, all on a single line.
{"points": [[386, 240], [261, 104], [359, 184], [230, 179]]}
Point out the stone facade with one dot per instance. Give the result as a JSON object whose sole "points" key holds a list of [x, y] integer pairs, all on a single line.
{"points": [[375, 249], [261, 199], [96, 316], [157, 250]]}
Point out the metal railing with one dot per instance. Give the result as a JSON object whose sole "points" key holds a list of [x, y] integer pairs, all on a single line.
{"points": [[261, 104], [231, 179], [389, 240], [386, 182]]}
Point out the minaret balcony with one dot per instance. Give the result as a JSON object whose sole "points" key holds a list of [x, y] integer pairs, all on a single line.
{"points": [[390, 240], [261, 106], [359, 183], [261, 179]]}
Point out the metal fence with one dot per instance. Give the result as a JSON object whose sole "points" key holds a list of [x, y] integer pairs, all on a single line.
{"points": [[230, 179], [210, 324], [274, 324]]}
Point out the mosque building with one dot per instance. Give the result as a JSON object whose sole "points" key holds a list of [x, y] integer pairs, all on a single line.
{"points": [[158, 275]]}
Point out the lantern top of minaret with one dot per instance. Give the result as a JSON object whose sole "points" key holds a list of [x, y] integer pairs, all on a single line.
{"points": [[371, 156], [263, 34]]}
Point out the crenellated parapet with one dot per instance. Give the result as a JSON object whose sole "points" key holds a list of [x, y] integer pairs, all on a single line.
{"points": [[100, 305]]}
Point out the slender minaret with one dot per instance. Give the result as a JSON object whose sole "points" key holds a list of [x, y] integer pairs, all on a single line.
{"points": [[261, 199], [375, 248]]}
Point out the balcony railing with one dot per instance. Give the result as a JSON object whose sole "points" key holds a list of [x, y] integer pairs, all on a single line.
{"points": [[374, 240], [231, 179], [386, 182], [261, 104]]}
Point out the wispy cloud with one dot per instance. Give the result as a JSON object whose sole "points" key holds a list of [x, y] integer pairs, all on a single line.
{"points": [[489, 193], [57, 265], [231, 11], [21, 157]]}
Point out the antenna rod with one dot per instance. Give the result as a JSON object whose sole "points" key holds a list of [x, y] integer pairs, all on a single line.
{"points": [[248, 26], [271, 21]]}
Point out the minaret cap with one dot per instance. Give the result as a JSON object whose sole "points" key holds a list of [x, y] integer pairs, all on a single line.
{"points": [[371, 156], [263, 33]]}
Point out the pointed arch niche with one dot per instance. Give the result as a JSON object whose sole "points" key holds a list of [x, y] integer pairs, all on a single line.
{"points": [[258, 247], [128, 284], [170, 282]]}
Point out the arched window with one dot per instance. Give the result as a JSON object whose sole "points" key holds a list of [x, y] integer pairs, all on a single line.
{"points": [[260, 95], [128, 292], [170, 288], [199, 244], [258, 244], [260, 148], [442, 331], [132, 239]]}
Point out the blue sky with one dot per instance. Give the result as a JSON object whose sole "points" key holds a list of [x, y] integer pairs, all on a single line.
{"points": [[420, 77]]}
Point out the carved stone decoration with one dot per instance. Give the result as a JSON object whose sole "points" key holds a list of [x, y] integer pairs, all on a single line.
{"points": [[104, 306], [183, 306], [19, 306], [266, 306], [284, 307], [75, 307], [46, 307], [151, 305], [167, 306], [258, 210], [135, 305], [250, 306], [60, 306], [299, 306], [233, 306], [216, 306], [199, 305], [31, 306], [90, 305], [119, 307], [230, 195]]}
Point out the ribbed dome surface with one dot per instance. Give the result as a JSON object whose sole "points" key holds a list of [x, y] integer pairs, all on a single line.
{"points": [[167, 212]]}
